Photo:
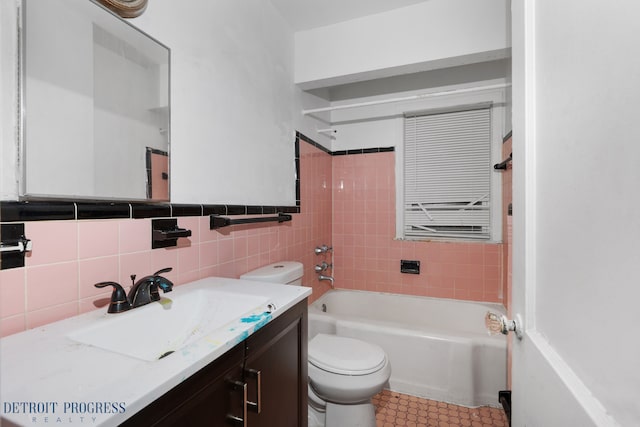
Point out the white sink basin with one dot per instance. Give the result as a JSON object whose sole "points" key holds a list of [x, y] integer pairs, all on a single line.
{"points": [[157, 329]]}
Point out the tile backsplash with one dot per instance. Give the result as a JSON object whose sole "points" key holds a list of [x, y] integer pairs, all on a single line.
{"points": [[69, 257], [367, 255]]}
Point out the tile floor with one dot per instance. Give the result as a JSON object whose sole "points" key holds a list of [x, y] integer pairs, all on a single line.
{"points": [[395, 409]]}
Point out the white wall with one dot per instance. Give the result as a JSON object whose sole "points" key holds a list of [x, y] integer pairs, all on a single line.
{"points": [[428, 35], [233, 99], [582, 277], [235, 108]]}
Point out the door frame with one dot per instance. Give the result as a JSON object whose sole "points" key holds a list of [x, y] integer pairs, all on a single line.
{"points": [[546, 390]]}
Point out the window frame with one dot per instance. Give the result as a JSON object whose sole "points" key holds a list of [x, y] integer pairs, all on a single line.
{"points": [[495, 99]]}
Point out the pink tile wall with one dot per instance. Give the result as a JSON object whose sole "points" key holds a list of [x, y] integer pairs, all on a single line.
{"points": [[346, 201], [69, 257], [316, 210], [367, 257]]}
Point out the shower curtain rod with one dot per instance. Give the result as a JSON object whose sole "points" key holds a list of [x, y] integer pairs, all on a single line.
{"points": [[406, 98]]}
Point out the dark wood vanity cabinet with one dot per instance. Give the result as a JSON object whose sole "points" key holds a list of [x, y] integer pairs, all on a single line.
{"points": [[279, 354], [270, 366]]}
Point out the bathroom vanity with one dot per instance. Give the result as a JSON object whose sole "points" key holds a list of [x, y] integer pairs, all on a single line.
{"points": [[262, 379], [217, 351]]}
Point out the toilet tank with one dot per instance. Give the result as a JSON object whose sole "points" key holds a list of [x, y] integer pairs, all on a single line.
{"points": [[288, 272]]}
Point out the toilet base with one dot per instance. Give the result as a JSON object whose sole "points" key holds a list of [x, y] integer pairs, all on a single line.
{"points": [[316, 417], [358, 415]]}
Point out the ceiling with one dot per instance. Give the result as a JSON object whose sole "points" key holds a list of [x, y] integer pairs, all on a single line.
{"points": [[307, 14]]}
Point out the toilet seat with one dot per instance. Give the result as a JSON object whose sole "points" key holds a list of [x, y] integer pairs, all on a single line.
{"points": [[345, 356]]}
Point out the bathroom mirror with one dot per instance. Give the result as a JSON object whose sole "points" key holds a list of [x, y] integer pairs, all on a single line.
{"points": [[95, 105]]}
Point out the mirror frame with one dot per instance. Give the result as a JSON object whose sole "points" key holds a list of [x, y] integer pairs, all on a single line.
{"points": [[139, 5]]}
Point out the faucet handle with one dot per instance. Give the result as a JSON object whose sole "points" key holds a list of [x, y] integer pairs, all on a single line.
{"points": [[322, 249], [164, 270], [119, 301], [322, 267]]}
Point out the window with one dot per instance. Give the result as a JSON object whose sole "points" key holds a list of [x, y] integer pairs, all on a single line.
{"points": [[448, 175]]}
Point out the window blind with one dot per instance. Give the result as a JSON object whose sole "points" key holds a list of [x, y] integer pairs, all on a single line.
{"points": [[447, 175]]}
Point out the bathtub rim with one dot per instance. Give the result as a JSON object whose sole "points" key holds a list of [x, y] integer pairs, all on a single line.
{"points": [[492, 305]]}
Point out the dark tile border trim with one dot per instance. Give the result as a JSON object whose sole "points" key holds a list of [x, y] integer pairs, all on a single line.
{"points": [[343, 152], [51, 211], [297, 167], [312, 142], [214, 210], [186, 210], [363, 151], [102, 210], [36, 211], [144, 210]]}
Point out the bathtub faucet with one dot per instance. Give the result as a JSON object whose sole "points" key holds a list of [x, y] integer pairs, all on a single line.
{"points": [[322, 267], [322, 249], [329, 278]]}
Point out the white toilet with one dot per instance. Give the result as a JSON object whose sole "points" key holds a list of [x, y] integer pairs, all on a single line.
{"points": [[287, 272], [344, 373]]}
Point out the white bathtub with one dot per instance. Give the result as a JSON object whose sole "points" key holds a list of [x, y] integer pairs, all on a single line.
{"points": [[438, 348]]}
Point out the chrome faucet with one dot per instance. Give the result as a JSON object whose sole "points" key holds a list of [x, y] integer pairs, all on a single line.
{"points": [[322, 267], [142, 292], [322, 249], [329, 278]]}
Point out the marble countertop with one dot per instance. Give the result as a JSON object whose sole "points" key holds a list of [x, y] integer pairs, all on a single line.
{"points": [[46, 378]]}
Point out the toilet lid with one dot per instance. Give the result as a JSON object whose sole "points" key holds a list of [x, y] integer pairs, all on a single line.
{"points": [[345, 356]]}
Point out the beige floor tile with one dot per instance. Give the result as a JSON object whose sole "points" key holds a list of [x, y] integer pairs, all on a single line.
{"points": [[395, 409]]}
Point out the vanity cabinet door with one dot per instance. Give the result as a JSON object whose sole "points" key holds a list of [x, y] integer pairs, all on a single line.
{"points": [[278, 352], [204, 399]]}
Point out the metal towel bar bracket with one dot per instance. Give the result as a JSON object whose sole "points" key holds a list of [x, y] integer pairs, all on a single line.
{"points": [[165, 233], [503, 164], [23, 245], [13, 245]]}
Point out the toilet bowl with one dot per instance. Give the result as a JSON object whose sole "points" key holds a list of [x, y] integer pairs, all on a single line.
{"points": [[344, 373]]}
